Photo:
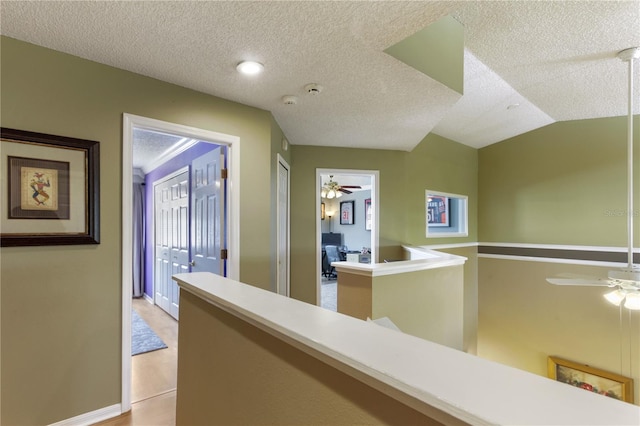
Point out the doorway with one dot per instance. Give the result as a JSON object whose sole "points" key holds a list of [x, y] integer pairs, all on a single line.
{"points": [[357, 232], [230, 228]]}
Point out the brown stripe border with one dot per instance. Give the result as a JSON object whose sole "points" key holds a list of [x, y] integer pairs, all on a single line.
{"points": [[593, 256]]}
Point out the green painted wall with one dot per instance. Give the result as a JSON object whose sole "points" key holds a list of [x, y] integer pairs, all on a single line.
{"points": [[66, 301], [439, 164], [437, 51], [562, 184], [436, 163], [304, 162]]}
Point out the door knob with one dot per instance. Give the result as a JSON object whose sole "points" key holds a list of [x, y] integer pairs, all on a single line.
{"points": [[192, 263]]}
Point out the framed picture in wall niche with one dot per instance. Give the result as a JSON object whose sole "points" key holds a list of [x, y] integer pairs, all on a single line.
{"points": [[52, 189], [591, 379], [437, 210], [347, 213]]}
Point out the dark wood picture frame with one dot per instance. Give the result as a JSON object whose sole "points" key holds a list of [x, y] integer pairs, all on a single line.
{"points": [[42, 192]]}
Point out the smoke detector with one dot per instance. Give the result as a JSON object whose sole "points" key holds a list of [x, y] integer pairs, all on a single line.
{"points": [[289, 100], [313, 88]]}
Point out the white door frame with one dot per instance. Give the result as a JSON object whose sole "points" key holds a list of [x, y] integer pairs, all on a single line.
{"points": [[374, 175], [281, 161], [129, 122]]}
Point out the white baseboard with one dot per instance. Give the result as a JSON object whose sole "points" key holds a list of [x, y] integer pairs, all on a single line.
{"points": [[148, 298], [92, 417]]}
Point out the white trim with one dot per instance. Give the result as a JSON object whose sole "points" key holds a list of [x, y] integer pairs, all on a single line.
{"points": [[447, 235], [91, 417], [560, 247], [374, 175], [180, 147], [463, 216], [129, 121], [127, 257], [552, 260], [171, 175], [283, 162], [536, 246], [147, 298], [400, 267]]}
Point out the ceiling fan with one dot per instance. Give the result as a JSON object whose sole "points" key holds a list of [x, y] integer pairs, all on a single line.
{"points": [[625, 280], [332, 189]]}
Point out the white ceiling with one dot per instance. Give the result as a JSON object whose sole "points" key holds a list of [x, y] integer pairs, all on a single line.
{"points": [[556, 59]]}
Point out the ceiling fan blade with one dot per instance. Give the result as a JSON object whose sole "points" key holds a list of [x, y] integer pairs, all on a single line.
{"points": [[351, 186], [346, 191], [595, 282]]}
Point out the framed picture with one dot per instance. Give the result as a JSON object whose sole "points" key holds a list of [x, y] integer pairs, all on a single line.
{"points": [[367, 214], [346, 212], [437, 210], [322, 211], [592, 379], [52, 189]]}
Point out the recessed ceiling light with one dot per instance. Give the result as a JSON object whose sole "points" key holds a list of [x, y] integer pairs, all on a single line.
{"points": [[250, 67]]}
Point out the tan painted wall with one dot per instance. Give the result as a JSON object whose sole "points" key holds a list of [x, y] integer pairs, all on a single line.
{"points": [[61, 306], [470, 296], [523, 320], [355, 295], [232, 373], [426, 304]]}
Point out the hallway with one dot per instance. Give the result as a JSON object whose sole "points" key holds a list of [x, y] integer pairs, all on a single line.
{"points": [[154, 374]]}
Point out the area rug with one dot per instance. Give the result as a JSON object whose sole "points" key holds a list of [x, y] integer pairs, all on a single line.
{"points": [[143, 338]]}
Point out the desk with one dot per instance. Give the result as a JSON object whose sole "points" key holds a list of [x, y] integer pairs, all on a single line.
{"points": [[343, 251]]}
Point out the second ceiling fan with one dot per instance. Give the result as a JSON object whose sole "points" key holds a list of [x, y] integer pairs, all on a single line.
{"points": [[333, 189]]}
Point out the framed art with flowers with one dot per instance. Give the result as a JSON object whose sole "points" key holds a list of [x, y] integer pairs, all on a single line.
{"points": [[591, 379]]}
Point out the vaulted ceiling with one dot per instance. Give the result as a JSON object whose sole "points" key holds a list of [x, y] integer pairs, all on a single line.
{"points": [[526, 63]]}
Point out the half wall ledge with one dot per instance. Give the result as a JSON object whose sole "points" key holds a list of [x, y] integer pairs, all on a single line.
{"points": [[247, 355]]}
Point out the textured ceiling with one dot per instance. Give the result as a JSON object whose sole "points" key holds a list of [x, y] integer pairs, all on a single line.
{"points": [[556, 59]]}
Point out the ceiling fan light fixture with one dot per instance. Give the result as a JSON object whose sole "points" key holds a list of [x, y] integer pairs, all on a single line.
{"points": [[632, 301], [338, 194], [615, 297]]}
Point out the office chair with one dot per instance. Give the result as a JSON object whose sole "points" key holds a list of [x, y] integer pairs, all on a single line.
{"points": [[332, 256]]}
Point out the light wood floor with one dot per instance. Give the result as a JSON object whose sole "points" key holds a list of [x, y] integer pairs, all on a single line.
{"points": [[154, 374]]}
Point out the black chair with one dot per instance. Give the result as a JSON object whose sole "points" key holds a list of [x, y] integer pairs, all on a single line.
{"points": [[332, 256]]}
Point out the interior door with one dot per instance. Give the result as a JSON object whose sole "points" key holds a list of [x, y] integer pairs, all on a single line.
{"points": [[172, 239], [282, 278], [207, 213]]}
